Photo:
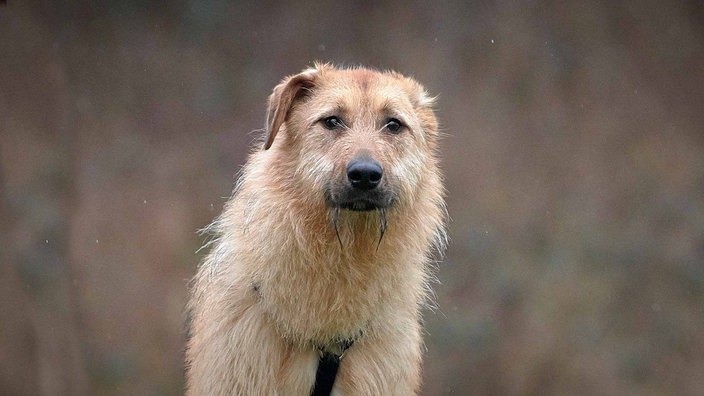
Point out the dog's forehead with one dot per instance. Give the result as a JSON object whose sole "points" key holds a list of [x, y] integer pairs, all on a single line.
{"points": [[365, 87]]}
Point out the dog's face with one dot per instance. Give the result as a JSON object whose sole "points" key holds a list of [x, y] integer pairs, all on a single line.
{"points": [[359, 137]]}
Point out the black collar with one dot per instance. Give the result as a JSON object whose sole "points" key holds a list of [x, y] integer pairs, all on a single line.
{"points": [[328, 364]]}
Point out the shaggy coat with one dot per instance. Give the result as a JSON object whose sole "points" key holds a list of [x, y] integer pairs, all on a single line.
{"points": [[301, 261]]}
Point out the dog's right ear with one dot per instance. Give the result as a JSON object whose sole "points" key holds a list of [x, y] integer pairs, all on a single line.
{"points": [[283, 98]]}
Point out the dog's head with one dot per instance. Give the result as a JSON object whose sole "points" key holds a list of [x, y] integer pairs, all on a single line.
{"points": [[361, 138]]}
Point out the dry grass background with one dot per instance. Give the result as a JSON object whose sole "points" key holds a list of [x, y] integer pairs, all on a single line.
{"points": [[574, 163]]}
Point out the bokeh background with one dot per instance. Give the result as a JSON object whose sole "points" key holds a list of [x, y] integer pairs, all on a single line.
{"points": [[574, 160]]}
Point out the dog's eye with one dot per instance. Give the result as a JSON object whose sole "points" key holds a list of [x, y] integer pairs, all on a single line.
{"points": [[393, 125], [333, 122]]}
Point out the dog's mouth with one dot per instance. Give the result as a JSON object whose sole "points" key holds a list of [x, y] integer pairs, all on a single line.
{"points": [[357, 201]]}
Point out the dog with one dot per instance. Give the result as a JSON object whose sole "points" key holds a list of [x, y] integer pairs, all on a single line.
{"points": [[322, 259]]}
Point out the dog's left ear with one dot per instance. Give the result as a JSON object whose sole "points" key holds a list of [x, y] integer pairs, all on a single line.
{"points": [[283, 98], [423, 104]]}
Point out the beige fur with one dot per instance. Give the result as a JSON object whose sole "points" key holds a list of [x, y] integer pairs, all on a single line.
{"points": [[279, 283]]}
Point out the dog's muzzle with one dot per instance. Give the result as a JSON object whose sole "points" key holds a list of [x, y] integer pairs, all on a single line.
{"points": [[364, 188]]}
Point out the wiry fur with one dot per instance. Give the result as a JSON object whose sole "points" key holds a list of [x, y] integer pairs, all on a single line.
{"points": [[288, 274]]}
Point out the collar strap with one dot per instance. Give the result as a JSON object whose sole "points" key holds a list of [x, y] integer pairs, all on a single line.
{"points": [[328, 365]]}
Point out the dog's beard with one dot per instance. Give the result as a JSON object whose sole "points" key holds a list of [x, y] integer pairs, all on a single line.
{"points": [[383, 224]]}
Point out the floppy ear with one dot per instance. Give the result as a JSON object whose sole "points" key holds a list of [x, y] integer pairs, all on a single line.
{"points": [[281, 100]]}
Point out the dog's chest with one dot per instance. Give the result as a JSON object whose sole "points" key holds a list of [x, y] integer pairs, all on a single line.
{"points": [[310, 304]]}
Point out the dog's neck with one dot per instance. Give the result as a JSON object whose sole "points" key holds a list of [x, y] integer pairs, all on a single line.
{"points": [[319, 305], [322, 275]]}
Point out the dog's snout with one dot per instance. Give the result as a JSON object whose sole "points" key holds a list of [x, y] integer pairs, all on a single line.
{"points": [[364, 174]]}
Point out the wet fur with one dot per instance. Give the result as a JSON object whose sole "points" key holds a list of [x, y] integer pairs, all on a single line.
{"points": [[290, 272]]}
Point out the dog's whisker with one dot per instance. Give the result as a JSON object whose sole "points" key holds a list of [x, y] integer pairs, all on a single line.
{"points": [[382, 226], [335, 216]]}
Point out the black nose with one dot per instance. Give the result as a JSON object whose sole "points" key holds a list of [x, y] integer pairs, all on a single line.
{"points": [[364, 174]]}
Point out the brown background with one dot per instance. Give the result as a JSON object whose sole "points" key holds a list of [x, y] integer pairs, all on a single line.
{"points": [[574, 163]]}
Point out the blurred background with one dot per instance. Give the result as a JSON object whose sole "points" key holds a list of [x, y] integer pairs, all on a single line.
{"points": [[574, 160]]}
